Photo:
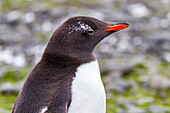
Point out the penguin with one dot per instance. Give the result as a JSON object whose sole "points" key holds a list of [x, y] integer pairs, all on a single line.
{"points": [[67, 77]]}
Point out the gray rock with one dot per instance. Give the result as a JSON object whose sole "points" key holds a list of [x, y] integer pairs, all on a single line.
{"points": [[95, 3], [2, 42], [118, 85], [8, 57], [158, 109], [134, 109], [10, 88], [13, 17], [29, 17], [129, 106], [166, 56], [46, 26], [58, 12], [123, 101], [142, 101], [156, 81], [3, 71], [2, 110], [138, 10], [111, 66]]}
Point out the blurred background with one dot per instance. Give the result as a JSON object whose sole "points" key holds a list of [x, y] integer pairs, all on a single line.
{"points": [[134, 63]]}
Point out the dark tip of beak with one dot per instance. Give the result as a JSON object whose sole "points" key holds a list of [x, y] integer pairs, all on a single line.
{"points": [[121, 23]]}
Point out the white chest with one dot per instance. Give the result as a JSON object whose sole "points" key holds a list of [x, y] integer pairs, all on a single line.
{"points": [[88, 94]]}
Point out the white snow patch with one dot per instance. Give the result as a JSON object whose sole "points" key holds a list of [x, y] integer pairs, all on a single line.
{"points": [[80, 27], [84, 26]]}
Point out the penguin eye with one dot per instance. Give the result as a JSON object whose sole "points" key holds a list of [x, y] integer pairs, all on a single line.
{"points": [[90, 32]]}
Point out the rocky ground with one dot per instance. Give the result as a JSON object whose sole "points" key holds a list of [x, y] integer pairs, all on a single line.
{"points": [[135, 63]]}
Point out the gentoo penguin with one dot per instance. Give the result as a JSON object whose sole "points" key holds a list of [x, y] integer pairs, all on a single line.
{"points": [[67, 78]]}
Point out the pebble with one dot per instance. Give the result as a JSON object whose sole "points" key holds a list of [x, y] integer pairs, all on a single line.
{"points": [[10, 88], [134, 109], [138, 10], [111, 66], [4, 110], [29, 17], [156, 81], [13, 16], [8, 58], [158, 109], [3, 71], [118, 85]]}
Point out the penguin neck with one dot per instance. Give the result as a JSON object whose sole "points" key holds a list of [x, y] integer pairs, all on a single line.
{"points": [[67, 59]]}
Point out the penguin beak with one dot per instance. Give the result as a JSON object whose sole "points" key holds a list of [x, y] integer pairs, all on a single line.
{"points": [[108, 29], [117, 27]]}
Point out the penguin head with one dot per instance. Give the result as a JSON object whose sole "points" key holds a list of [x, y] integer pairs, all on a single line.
{"points": [[78, 36]]}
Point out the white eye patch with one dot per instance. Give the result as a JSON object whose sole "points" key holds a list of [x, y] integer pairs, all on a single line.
{"points": [[80, 27], [84, 26]]}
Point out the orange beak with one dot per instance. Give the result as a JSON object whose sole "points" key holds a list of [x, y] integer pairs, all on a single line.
{"points": [[117, 27]]}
